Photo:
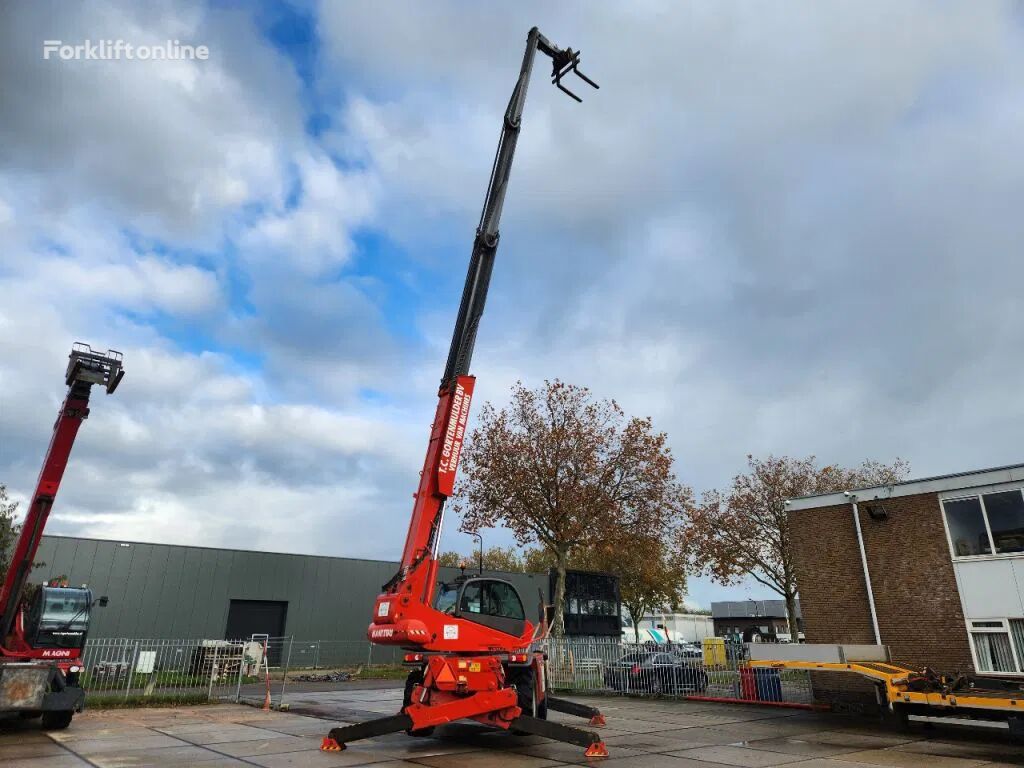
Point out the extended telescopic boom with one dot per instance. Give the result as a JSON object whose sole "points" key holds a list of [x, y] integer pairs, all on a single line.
{"points": [[456, 389]]}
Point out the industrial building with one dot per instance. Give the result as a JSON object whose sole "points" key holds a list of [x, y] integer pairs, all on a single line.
{"points": [[932, 568], [737, 619], [168, 591]]}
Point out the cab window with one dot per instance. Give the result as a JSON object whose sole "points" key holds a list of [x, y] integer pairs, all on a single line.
{"points": [[64, 609], [491, 598], [445, 599]]}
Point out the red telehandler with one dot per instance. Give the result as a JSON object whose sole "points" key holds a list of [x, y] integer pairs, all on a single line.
{"points": [[474, 654], [41, 642]]}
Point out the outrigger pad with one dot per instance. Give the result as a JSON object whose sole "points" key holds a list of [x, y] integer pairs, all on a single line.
{"points": [[330, 745], [594, 746]]}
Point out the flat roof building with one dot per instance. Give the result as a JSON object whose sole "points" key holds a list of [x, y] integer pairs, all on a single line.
{"points": [[738, 618], [171, 591], [932, 568]]}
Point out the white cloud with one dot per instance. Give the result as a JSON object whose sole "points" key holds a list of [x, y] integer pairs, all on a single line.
{"points": [[791, 232]]}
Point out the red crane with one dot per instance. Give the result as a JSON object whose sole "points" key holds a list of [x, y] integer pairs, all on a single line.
{"points": [[473, 651], [41, 642]]}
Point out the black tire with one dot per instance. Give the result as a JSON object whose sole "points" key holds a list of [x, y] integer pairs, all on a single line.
{"points": [[57, 720], [29, 714], [525, 681], [415, 678]]}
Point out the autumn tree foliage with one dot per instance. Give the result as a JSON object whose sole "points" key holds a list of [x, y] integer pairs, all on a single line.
{"points": [[744, 530], [566, 471], [9, 529], [495, 559]]}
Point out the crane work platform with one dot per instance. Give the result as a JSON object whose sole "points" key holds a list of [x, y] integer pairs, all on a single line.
{"points": [[904, 692]]}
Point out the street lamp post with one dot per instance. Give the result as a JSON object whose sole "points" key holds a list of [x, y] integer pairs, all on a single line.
{"points": [[481, 553]]}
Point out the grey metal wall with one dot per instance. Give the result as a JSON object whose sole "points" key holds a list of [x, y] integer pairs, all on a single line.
{"points": [[167, 591]]}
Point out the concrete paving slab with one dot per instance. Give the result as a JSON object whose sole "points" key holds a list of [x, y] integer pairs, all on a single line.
{"points": [[741, 756], [761, 730], [167, 757], [312, 728], [12, 750], [665, 741], [572, 753], [794, 745], [310, 759], [266, 746], [828, 762], [655, 761], [487, 759], [56, 761], [973, 748], [229, 733], [86, 747], [694, 737], [860, 739], [898, 759]]}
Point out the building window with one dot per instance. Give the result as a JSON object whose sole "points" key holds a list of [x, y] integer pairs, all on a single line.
{"points": [[989, 523], [967, 530], [1005, 513], [998, 645], [993, 652]]}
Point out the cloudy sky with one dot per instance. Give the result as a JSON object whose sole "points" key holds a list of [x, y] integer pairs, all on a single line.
{"points": [[790, 228]]}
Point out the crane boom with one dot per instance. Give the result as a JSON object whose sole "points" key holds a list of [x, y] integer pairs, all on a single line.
{"points": [[455, 394], [85, 368]]}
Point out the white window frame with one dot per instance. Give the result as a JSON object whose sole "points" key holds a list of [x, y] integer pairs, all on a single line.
{"points": [[1002, 629], [979, 494]]}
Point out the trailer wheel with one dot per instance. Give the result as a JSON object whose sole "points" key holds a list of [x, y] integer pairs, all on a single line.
{"points": [[57, 720], [415, 678]]}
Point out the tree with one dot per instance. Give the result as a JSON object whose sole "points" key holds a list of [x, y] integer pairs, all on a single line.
{"points": [[9, 530], [745, 529], [563, 470], [495, 559], [651, 571]]}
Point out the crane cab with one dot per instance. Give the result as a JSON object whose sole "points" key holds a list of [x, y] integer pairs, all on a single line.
{"points": [[491, 602], [58, 617]]}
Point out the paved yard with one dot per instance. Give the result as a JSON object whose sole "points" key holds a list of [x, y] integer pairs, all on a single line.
{"points": [[640, 734]]}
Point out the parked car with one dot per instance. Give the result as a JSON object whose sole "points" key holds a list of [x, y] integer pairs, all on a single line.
{"points": [[655, 672], [688, 651]]}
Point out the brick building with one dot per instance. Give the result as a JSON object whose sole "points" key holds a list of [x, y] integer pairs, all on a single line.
{"points": [[933, 568]]}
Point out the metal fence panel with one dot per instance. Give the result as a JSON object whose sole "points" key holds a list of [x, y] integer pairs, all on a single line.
{"points": [[610, 666]]}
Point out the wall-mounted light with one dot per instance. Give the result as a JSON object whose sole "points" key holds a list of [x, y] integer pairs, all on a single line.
{"points": [[877, 512]]}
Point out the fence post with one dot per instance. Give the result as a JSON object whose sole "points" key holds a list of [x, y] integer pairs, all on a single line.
{"points": [[369, 656], [241, 667], [131, 669], [316, 655], [213, 673], [287, 663]]}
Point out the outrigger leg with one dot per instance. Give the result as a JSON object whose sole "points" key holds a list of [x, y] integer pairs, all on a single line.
{"points": [[580, 710]]}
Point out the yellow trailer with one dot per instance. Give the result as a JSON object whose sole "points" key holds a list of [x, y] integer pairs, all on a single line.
{"points": [[904, 691]]}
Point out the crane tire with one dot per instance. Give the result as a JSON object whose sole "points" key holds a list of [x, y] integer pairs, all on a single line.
{"points": [[415, 678]]}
